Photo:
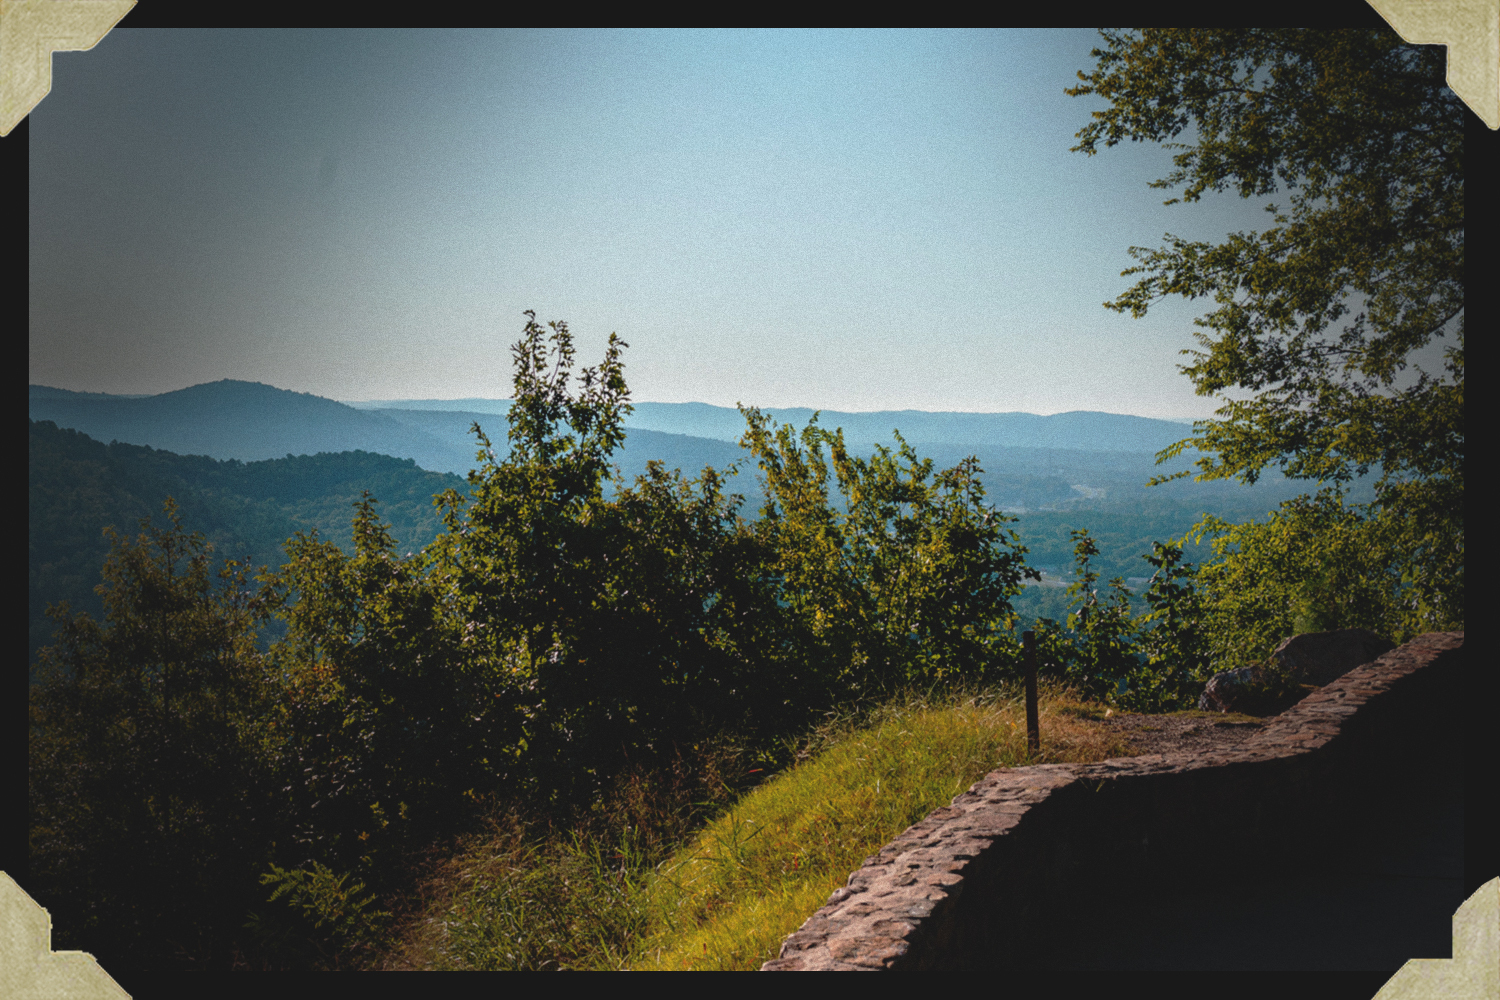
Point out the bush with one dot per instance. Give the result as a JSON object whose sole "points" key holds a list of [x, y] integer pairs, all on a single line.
{"points": [[904, 581], [1316, 564]]}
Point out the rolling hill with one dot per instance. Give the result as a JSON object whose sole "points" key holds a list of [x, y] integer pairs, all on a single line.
{"points": [[250, 464], [77, 486]]}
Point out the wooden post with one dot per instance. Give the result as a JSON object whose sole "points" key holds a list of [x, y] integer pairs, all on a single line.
{"points": [[1033, 727]]}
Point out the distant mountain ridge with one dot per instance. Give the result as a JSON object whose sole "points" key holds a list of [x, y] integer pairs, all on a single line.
{"points": [[251, 421], [1030, 462], [48, 392], [248, 421], [1084, 430]]}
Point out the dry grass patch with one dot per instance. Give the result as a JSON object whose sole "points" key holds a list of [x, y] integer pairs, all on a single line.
{"points": [[525, 894]]}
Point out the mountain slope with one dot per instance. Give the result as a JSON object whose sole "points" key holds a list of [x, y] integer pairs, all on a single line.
{"points": [[77, 486], [248, 421]]}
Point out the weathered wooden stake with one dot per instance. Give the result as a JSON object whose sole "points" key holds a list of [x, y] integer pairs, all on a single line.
{"points": [[1033, 727]]}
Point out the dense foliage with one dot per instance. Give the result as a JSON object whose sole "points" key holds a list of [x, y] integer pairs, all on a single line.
{"points": [[554, 636], [1315, 564], [150, 802], [901, 580], [1363, 132], [1154, 661]]}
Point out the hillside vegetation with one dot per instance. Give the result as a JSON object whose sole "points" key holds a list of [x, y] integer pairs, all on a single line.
{"points": [[577, 660], [76, 487]]}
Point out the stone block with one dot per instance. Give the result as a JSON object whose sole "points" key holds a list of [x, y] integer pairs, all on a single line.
{"points": [[1320, 658]]}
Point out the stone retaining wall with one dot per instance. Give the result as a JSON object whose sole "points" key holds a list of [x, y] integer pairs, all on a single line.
{"points": [[989, 880]]}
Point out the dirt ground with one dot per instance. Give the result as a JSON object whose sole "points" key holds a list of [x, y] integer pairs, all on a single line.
{"points": [[1191, 731]]}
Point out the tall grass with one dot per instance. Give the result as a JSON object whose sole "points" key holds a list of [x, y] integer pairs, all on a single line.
{"points": [[752, 876], [645, 890], [532, 892]]}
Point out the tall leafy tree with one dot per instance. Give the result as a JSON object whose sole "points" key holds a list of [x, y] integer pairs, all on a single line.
{"points": [[612, 627], [521, 565], [1319, 316], [149, 804]]}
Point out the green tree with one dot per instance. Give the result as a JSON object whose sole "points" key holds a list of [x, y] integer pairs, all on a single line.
{"points": [[545, 640], [522, 562], [1173, 636], [614, 628], [1095, 649], [908, 579], [1320, 315], [379, 731], [1315, 564], [689, 593], [150, 806]]}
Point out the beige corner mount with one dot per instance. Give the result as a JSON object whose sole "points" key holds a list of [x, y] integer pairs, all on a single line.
{"points": [[1473, 973], [1471, 31], [30, 969], [30, 31]]}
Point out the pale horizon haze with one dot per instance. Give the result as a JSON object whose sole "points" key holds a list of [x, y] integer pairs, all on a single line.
{"points": [[842, 220]]}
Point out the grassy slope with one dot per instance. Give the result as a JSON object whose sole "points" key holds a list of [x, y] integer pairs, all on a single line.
{"points": [[729, 893]]}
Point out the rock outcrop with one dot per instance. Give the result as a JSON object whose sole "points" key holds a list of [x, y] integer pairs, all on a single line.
{"points": [[1228, 690], [1297, 665], [1320, 658]]}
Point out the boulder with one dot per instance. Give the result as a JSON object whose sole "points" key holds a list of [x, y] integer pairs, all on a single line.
{"points": [[1320, 658], [1298, 665], [1228, 688]]}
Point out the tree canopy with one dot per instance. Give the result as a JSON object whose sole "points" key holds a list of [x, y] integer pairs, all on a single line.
{"points": [[1321, 314]]}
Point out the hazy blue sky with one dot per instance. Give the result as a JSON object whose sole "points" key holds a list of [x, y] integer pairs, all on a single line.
{"points": [[844, 220]]}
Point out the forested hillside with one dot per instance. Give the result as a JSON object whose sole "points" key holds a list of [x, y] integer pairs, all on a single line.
{"points": [[248, 421], [249, 509], [78, 486]]}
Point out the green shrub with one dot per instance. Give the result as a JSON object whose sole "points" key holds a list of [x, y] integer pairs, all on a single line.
{"points": [[903, 580], [336, 918]]}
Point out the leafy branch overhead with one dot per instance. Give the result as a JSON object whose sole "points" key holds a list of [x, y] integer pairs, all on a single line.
{"points": [[1366, 138], [1320, 315]]}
